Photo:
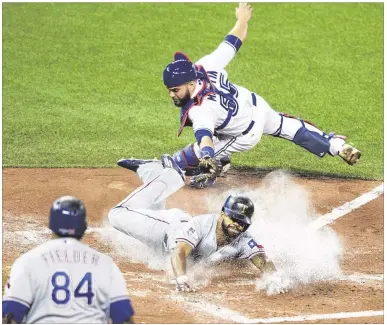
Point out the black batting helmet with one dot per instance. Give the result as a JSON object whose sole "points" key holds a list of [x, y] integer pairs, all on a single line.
{"points": [[239, 207], [68, 217]]}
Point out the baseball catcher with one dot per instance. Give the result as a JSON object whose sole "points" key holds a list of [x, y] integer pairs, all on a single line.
{"points": [[228, 118]]}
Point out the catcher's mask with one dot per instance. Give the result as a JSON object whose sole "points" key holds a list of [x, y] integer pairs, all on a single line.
{"points": [[239, 208], [180, 71], [68, 217]]}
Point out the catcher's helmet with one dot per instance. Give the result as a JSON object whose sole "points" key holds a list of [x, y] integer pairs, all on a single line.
{"points": [[180, 71], [68, 217], [239, 207]]}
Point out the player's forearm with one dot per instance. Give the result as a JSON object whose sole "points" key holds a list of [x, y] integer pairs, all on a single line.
{"points": [[268, 266], [263, 264], [178, 261], [240, 30], [206, 141]]}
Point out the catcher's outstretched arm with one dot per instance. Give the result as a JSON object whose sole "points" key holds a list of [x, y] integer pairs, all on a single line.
{"points": [[243, 15], [222, 56], [262, 263]]}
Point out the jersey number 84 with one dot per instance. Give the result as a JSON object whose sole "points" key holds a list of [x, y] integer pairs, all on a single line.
{"points": [[61, 294]]}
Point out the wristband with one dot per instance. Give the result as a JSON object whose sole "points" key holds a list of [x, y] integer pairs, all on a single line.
{"points": [[207, 151], [233, 41]]}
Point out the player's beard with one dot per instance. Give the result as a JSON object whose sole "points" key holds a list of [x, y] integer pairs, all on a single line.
{"points": [[180, 102], [229, 232]]}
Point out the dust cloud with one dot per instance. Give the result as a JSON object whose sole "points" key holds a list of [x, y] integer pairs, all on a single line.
{"points": [[283, 224]]}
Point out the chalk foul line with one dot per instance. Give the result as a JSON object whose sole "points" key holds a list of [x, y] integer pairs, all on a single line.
{"points": [[348, 207], [196, 304]]}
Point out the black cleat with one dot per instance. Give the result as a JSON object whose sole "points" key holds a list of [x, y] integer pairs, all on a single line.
{"points": [[133, 164]]}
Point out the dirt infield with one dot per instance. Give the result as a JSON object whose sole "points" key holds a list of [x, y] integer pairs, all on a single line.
{"points": [[28, 194]]}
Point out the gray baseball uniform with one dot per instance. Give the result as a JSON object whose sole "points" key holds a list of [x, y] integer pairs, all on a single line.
{"points": [[66, 281], [200, 233], [161, 229]]}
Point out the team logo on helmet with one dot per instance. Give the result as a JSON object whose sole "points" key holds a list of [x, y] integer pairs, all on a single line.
{"points": [[68, 217], [239, 207]]}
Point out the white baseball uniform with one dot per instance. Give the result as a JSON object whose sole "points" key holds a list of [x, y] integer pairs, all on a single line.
{"points": [[66, 281], [162, 229], [239, 126]]}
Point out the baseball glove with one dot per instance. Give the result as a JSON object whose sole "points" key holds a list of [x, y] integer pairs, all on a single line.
{"points": [[208, 170]]}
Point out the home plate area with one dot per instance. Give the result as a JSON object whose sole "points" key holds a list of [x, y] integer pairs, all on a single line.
{"points": [[325, 235]]}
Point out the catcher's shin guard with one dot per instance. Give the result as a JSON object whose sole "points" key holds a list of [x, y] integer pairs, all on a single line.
{"points": [[188, 160], [308, 136], [186, 157], [312, 141]]}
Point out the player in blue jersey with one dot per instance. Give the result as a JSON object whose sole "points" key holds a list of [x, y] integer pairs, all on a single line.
{"points": [[227, 118]]}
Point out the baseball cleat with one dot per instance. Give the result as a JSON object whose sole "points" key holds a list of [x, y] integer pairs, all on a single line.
{"points": [[168, 162], [350, 154], [133, 164]]}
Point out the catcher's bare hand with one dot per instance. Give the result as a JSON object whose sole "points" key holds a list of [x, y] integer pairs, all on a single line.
{"points": [[182, 284], [243, 12]]}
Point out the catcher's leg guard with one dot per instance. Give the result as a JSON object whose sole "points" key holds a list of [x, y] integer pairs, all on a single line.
{"points": [[312, 141], [188, 160], [306, 135]]}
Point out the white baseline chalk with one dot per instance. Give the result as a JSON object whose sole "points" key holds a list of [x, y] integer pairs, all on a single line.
{"points": [[196, 304], [348, 207]]}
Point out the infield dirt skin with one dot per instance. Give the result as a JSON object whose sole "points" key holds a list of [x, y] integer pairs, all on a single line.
{"points": [[29, 193]]}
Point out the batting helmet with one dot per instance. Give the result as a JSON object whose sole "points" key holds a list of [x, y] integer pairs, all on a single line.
{"points": [[68, 217], [239, 207]]}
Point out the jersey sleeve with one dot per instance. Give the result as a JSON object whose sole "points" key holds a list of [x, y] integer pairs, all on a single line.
{"points": [[190, 233], [222, 56], [18, 291], [250, 248], [202, 118], [120, 306]]}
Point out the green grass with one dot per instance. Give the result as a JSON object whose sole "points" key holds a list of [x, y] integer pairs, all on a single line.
{"points": [[82, 82]]}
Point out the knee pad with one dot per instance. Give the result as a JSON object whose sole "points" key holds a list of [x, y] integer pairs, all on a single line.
{"points": [[186, 158], [312, 141]]}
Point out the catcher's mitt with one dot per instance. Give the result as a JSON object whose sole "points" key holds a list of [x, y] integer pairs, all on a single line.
{"points": [[209, 169]]}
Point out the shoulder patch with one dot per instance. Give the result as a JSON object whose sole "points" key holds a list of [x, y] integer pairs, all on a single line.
{"points": [[252, 243]]}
